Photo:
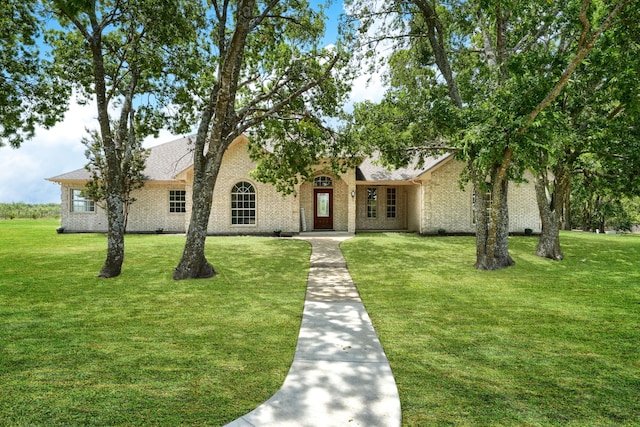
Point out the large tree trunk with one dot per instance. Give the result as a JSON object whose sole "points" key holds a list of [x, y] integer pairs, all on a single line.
{"points": [[194, 264], [220, 109], [492, 226], [115, 236], [549, 241], [113, 179]]}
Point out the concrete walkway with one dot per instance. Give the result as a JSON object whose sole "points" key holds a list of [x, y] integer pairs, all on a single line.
{"points": [[340, 375]]}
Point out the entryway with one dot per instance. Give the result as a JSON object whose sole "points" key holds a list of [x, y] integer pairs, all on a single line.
{"points": [[323, 209]]}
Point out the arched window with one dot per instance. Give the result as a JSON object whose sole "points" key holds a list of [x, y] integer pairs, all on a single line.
{"points": [[243, 204], [322, 181]]}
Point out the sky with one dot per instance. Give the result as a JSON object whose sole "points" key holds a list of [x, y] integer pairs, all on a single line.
{"points": [[52, 152]]}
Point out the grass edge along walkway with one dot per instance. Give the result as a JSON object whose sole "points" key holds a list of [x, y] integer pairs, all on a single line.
{"points": [[142, 349], [541, 343]]}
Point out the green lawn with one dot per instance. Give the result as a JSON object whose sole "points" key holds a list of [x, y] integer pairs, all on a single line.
{"points": [[541, 343], [142, 349]]}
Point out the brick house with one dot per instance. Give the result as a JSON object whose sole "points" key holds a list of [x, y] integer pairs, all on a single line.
{"points": [[368, 197]]}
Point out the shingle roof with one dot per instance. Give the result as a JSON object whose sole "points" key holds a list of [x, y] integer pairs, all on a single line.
{"points": [[169, 159], [165, 161], [369, 170]]}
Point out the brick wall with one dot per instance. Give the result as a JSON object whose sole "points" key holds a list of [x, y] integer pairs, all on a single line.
{"points": [[273, 210], [446, 205], [150, 211], [342, 187], [523, 206], [80, 221], [450, 208]]}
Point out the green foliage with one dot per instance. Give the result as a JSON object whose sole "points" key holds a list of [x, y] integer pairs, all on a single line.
{"points": [[138, 40], [132, 170], [596, 205], [284, 86], [30, 92], [25, 210], [484, 80], [499, 85]]}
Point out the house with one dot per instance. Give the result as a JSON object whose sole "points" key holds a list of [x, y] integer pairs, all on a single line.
{"points": [[369, 197]]}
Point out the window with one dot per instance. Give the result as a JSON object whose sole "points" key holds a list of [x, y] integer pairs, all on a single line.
{"points": [[177, 201], [322, 181], [391, 202], [372, 202], [243, 204], [79, 203]]}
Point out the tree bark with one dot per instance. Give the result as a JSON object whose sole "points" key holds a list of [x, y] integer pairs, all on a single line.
{"points": [[549, 241], [115, 236], [113, 188], [219, 121], [492, 224], [194, 264]]}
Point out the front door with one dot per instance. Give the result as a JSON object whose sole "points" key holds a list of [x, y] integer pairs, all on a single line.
{"points": [[323, 209]]}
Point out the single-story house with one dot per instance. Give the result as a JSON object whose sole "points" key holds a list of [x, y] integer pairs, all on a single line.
{"points": [[369, 197]]}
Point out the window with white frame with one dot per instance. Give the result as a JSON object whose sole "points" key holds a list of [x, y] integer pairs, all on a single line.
{"points": [[80, 203], [243, 204], [372, 202], [391, 202], [177, 201]]}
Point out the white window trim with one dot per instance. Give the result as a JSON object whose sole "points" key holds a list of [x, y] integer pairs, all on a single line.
{"points": [[72, 200], [255, 209]]}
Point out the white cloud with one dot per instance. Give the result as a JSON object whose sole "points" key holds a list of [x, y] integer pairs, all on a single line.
{"points": [[51, 152], [368, 87]]}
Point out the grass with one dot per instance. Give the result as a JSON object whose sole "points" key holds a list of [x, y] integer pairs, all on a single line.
{"points": [[542, 343], [142, 349]]}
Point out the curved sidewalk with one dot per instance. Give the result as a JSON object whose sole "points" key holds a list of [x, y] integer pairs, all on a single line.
{"points": [[340, 375]]}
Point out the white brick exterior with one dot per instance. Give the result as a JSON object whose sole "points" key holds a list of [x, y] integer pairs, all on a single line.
{"points": [[425, 204], [446, 206], [273, 210]]}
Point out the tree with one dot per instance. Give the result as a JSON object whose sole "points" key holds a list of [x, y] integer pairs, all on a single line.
{"points": [[498, 66], [590, 130], [116, 51], [259, 69], [29, 92], [132, 168]]}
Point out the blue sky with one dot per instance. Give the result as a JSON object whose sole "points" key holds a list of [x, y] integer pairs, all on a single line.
{"points": [[52, 152]]}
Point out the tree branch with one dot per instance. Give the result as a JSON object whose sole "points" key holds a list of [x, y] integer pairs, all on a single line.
{"points": [[295, 94], [584, 47]]}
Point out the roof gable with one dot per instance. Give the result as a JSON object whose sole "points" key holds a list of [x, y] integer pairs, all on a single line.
{"points": [[164, 163], [371, 170]]}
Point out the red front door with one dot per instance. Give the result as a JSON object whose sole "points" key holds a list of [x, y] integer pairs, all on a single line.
{"points": [[323, 209]]}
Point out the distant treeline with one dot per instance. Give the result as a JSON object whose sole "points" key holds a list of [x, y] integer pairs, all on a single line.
{"points": [[24, 210]]}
